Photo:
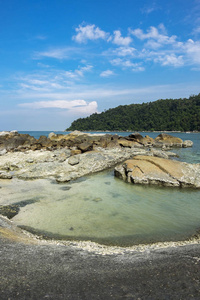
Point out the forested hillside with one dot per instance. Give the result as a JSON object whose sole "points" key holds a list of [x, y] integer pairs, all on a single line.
{"points": [[160, 115]]}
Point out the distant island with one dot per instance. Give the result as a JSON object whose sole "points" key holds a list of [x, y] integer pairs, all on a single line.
{"points": [[161, 115]]}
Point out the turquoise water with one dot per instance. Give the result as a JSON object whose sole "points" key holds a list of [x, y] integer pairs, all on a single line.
{"points": [[107, 210]]}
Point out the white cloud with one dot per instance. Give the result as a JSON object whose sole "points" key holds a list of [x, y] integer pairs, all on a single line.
{"points": [[156, 37], [89, 32], [57, 53], [76, 74], [170, 60], [88, 109], [107, 73], [149, 9], [62, 104], [192, 49], [119, 40], [127, 64], [124, 51]]}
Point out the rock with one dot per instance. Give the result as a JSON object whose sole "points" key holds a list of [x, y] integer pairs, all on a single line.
{"points": [[137, 137], [159, 153], [169, 140], [2, 152], [85, 146], [126, 143], [159, 171], [112, 144], [10, 142], [30, 161], [75, 151], [52, 135], [74, 160], [187, 143], [145, 141], [5, 175], [14, 132]]}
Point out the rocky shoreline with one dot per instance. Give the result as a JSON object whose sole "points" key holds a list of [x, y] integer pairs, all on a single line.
{"points": [[68, 157], [63, 158], [32, 268]]}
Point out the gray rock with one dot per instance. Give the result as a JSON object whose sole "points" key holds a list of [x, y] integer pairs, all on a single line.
{"points": [[159, 153], [2, 152], [74, 160], [51, 135], [187, 143], [30, 161], [5, 175]]}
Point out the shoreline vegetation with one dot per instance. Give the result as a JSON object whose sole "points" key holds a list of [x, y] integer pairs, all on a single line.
{"points": [[170, 115]]}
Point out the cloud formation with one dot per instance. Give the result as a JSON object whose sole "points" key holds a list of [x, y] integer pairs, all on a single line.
{"points": [[125, 63], [119, 40], [73, 106], [57, 53], [107, 73], [89, 32]]}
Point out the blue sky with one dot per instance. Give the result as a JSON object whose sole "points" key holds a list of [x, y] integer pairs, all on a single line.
{"points": [[65, 59]]}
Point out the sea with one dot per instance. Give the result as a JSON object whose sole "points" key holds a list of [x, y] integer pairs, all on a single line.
{"points": [[106, 210]]}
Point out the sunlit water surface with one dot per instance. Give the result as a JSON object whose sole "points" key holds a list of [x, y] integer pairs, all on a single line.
{"points": [[105, 209]]}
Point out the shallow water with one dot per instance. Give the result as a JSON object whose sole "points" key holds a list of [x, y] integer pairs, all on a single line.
{"points": [[107, 210], [104, 209]]}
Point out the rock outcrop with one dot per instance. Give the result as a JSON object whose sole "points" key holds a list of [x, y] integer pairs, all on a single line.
{"points": [[159, 171], [80, 142], [67, 157], [171, 141]]}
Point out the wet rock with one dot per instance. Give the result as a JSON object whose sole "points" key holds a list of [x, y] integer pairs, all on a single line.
{"points": [[9, 211], [65, 188], [159, 171], [13, 209], [98, 199]]}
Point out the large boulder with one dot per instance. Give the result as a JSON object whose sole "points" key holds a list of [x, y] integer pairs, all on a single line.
{"points": [[160, 171], [138, 138], [169, 140]]}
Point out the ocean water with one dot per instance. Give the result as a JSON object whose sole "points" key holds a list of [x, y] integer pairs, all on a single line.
{"points": [[106, 210]]}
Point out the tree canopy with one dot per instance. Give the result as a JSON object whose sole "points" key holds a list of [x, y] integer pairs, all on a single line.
{"points": [[165, 114]]}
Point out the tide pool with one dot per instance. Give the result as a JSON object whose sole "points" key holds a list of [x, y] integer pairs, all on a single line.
{"points": [[106, 210]]}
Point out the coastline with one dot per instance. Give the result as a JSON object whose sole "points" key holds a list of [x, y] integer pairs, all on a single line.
{"points": [[10, 230], [35, 268]]}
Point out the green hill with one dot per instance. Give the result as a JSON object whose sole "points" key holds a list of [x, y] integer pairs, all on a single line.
{"points": [[160, 115]]}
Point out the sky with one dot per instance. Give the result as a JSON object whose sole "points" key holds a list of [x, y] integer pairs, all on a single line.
{"points": [[66, 59]]}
